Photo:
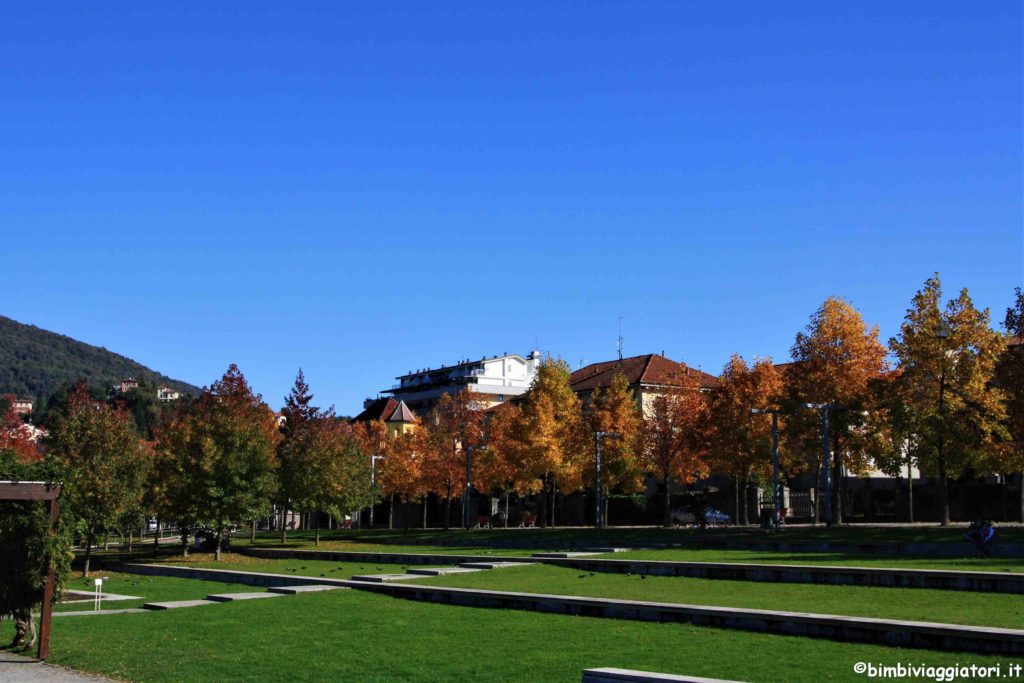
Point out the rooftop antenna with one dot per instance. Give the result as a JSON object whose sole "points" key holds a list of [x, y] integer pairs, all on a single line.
{"points": [[618, 346]]}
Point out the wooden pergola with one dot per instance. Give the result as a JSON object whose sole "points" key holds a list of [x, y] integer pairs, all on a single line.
{"points": [[41, 491]]}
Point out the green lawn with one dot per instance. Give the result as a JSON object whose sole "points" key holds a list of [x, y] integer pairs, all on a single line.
{"points": [[955, 607], [355, 636], [989, 564], [300, 567], [958, 607], [149, 588]]}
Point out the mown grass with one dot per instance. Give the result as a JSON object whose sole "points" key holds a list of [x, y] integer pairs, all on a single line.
{"points": [[148, 588], [354, 636], [983, 564], [953, 607]]}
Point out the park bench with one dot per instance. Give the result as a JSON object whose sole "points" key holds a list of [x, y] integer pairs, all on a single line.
{"points": [[483, 522], [528, 521]]}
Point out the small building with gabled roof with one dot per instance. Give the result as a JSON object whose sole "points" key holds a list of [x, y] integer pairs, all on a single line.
{"points": [[395, 414]]}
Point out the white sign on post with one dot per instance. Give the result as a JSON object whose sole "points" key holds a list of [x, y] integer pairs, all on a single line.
{"points": [[98, 598]]}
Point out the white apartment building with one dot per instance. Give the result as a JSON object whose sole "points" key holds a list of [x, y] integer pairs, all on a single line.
{"points": [[498, 378]]}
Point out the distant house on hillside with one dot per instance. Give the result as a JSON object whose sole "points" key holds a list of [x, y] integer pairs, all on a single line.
{"points": [[649, 376], [167, 394], [397, 416], [22, 406], [126, 385]]}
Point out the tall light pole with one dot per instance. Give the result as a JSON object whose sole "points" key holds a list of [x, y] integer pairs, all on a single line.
{"points": [[373, 479], [826, 409], [597, 475], [776, 492], [469, 479]]}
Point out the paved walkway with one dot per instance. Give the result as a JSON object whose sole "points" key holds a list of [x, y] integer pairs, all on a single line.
{"points": [[26, 670]]}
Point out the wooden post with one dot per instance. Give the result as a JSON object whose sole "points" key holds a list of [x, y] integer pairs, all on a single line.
{"points": [[46, 612]]}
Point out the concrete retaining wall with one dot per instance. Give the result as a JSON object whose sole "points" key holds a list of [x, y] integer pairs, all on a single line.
{"points": [[611, 675], [987, 582], [918, 634], [378, 557], [951, 637]]}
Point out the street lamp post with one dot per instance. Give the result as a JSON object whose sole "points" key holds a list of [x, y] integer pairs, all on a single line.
{"points": [[776, 492], [597, 475], [373, 479], [826, 409], [469, 475]]}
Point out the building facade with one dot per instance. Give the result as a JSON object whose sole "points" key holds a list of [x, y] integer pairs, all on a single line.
{"points": [[649, 376], [497, 378]]}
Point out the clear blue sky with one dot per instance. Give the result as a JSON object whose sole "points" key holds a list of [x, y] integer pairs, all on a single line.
{"points": [[362, 189]]}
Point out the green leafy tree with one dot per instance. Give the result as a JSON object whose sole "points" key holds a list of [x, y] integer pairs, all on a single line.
{"points": [[28, 546], [296, 416], [220, 456], [331, 470], [99, 460], [947, 357]]}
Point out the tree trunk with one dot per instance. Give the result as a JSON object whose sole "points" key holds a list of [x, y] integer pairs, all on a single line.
{"points": [[1021, 493], [184, 543], [88, 553], [391, 512], [668, 501], [745, 491], [220, 537], [943, 489], [448, 508], [910, 493], [554, 500], [129, 540], [156, 539], [604, 512], [837, 490], [544, 502], [736, 499], [284, 522], [508, 494], [106, 540], [316, 527], [424, 511]]}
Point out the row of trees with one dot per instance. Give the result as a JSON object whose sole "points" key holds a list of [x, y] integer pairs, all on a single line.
{"points": [[950, 403]]}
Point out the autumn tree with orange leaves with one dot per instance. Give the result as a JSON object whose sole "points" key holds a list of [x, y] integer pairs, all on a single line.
{"points": [[1009, 457], [947, 358], [741, 442], [554, 442], [674, 439], [455, 423], [498, 466], [836, 358], [15, 435], [615, 409]]}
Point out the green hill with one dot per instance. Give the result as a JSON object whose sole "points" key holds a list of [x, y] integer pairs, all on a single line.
{"points": [[35, 363]]}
